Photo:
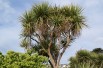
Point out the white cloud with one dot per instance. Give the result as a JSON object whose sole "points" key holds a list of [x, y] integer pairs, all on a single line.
{"points": [[91, 3], [7, 34], [99, 40], [8, 13], [10, 39], [9, 28]]}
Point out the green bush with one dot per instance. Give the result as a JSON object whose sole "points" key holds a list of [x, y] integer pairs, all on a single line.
{"points": [[86, 59], [22, 60], [85, 65]]}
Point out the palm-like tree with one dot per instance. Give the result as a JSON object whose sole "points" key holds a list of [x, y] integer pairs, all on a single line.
{"points": [[52, 28], [28, 29]]}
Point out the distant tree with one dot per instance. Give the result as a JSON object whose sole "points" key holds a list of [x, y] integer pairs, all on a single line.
{"points": [[1, 58], [51, 29], [98, 50], [22, 60], [86, 59]]}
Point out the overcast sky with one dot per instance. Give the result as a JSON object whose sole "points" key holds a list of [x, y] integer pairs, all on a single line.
{"points": [[10, 28]]}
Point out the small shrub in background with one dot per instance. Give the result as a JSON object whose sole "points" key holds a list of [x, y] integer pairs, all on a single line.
{"points": [[86, 59]]}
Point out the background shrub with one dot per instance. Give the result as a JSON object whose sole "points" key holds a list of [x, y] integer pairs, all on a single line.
{"points": [[86, 59]]}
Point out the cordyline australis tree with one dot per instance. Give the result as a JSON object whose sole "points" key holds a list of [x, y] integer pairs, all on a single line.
{"points": [[51, 29]]}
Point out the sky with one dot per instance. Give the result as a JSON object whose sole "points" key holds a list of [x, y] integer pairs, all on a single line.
{"points": [[10, 28]]}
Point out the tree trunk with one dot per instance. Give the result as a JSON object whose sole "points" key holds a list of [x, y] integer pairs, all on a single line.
{"points": [[56, 66], [50, 63], [51, 58], [53, 64]]}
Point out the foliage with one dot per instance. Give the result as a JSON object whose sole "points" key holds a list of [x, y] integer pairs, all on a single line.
{"points": [[51, 29], [86, 58], [22, 60], [98, 50], [85, 65]]}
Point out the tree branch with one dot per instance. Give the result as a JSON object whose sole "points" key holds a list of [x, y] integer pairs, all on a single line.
{"points": [[35, 40], [51, 58], [64, 49], [61, 54]]}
